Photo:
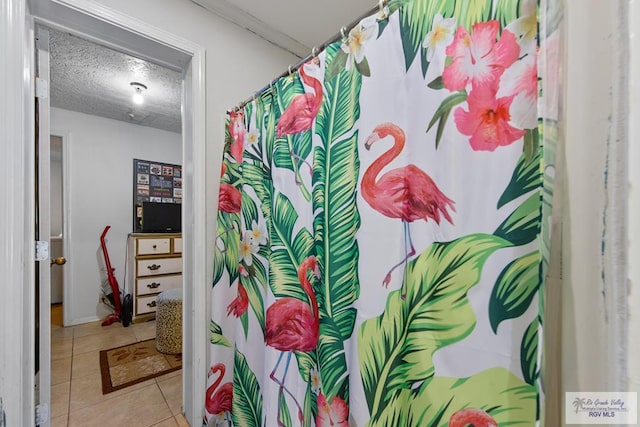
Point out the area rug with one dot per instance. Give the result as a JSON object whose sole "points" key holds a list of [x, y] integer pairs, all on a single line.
{"points": [[134, 363]]}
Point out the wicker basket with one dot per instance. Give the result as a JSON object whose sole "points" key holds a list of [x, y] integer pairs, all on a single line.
{"points": [[169, 322]]}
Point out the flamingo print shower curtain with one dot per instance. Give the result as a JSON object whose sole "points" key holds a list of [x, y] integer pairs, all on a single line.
{"points": [[381, 235]]}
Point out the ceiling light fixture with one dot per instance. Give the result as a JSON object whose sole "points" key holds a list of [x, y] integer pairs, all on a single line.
{"points": [[138, 89]]}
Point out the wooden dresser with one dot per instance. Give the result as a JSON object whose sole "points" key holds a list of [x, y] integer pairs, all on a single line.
{"points": [[154, 265]]}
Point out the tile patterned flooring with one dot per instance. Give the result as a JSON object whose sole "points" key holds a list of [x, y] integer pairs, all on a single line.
{"points": [[76, 388]]}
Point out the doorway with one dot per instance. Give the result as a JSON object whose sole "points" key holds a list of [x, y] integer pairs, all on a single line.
{"points": [[100, 148], [116, 29]]}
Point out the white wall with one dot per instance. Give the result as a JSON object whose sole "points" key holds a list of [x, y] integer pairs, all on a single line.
{"points": [[634, 201], [237, 64], [99, 157], [594, 347]]}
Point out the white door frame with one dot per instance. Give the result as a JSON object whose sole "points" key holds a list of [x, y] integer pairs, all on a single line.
{"points": [[16, 179], [16, 210]]}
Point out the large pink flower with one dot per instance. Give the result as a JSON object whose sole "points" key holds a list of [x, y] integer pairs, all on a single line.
{"points": [[521, 80], [487, 121], [478, 58], [237, 132], [335, 415]]}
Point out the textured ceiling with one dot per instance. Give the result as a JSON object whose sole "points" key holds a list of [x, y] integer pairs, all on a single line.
{"points": [[94, 79]]}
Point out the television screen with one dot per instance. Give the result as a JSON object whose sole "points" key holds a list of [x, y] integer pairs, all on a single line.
{"points": [[161, 217]]}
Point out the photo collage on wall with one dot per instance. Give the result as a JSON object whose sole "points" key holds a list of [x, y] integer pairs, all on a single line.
{"points": [[154, 182]]}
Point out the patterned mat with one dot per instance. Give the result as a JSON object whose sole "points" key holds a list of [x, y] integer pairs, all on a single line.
{"points": [[130, 364]]}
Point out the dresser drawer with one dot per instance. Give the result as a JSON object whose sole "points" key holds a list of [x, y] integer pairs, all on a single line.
{"points": [[154, 285], [154, 246], [146, 304], [152, 267], [177, 245]]}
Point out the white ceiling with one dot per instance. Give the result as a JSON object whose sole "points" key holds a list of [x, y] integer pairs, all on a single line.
{"points": [[94, 79], [296, 25]]}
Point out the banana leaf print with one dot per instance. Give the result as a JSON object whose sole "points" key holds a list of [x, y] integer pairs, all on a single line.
{"points": [[529, 353], [526, 177], [247, 397], [514, 290], [506, 11], [395, 349], [523, 225], [468, 12], [216, 336], [336, 221], [505, 398]]}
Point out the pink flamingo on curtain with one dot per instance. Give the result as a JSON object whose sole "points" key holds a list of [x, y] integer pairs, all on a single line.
{"points": [[220, 400], [299, 115], [301, 112], [406, 193], [293, 325], [472, 416]]}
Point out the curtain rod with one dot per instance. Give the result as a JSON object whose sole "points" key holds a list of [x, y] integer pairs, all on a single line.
{"points": [[314, 52]]}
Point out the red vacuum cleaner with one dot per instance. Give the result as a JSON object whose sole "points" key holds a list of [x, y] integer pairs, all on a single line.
{"points": [[122, 312]]}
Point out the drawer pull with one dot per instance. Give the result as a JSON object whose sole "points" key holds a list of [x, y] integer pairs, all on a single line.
{"points": [[151, 304], [155, 246], [153, 285], [153, 267]]}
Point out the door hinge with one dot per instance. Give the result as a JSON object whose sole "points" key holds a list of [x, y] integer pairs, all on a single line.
{"points": [[42, 414], [42, 250], [42, 88]]}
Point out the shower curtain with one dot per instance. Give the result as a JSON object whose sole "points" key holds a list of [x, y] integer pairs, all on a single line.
{"points": [[381, 240]]}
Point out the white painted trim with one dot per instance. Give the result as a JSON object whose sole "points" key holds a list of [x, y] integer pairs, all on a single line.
{"points": [[16, 227], [234, 14], [43, 270], [194, 369]]}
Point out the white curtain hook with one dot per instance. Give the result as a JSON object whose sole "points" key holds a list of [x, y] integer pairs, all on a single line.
{"points": [[343, 30]]}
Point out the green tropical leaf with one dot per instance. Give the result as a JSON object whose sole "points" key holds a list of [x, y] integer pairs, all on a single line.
{"points": [[247, 397], [526, 177], [228, 237], [506, 11], [531, 145], [469, 12], [257, 177], [285, 416], [337, 64], [509, 400], [254, 292], [529, 353], [424, 61], [249, 210], [310, 402], [514, 289], [416, 18], [336, 221], [523, 225], [442, 112], [436, 83], [396, 348], [340, 103], [218, 266], [288, 250], [270, 105], [363, 67], [215, 335]]}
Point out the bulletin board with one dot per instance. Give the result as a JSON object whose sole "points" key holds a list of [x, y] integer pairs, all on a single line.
{"points": [[154, 182]]}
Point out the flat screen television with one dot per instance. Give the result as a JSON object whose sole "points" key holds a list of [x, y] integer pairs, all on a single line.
{"points": [[161, 217]]}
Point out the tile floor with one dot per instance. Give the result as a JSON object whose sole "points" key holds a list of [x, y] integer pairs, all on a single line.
{"points": [[76, 388]]}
